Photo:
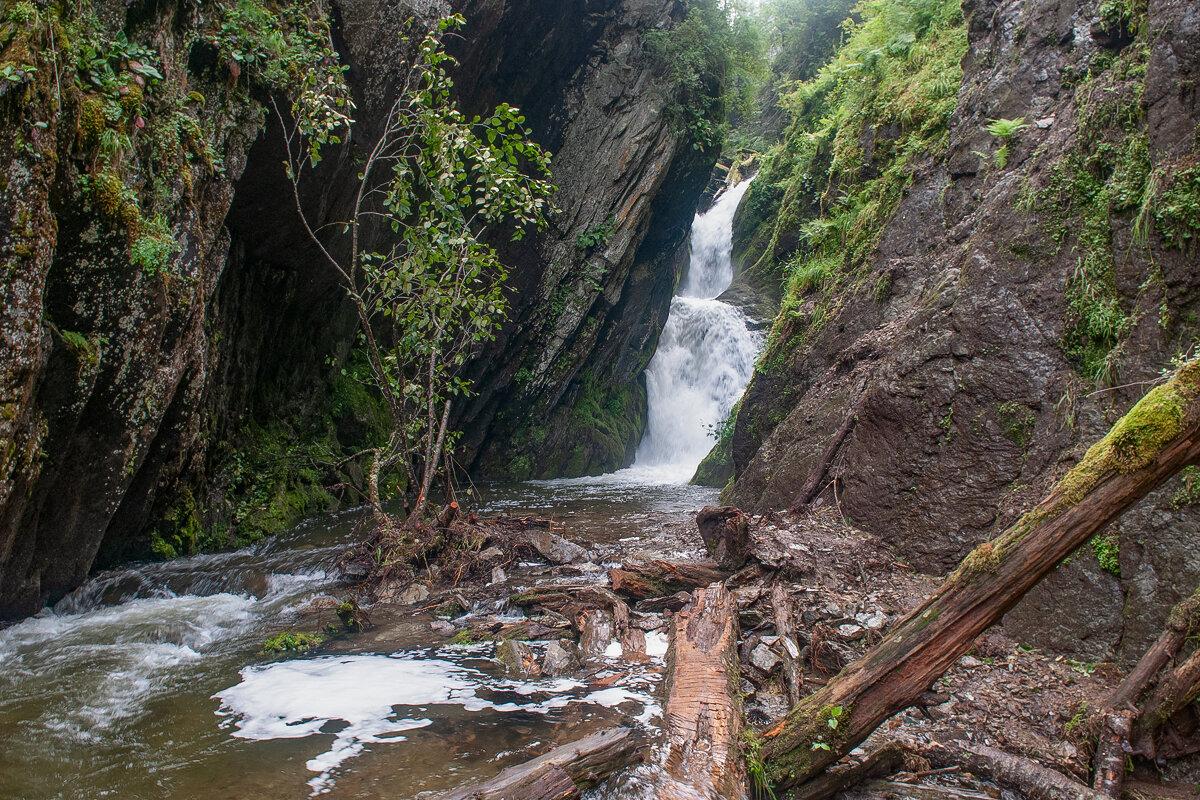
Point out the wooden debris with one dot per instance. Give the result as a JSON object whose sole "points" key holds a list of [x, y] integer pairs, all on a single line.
{"points": [[662, 578], [1156, 439], [1014, 772], [879, 764], [586, 762], [703, 713], [1117, 727], [789, 649]]}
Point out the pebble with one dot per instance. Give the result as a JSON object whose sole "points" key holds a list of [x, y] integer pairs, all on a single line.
{"points": [[851, 631], [970, 662], [762, 657], [498, 576]]}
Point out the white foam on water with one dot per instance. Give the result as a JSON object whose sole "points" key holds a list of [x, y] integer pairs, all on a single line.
{"points": [[656, 644], [375, 698]]}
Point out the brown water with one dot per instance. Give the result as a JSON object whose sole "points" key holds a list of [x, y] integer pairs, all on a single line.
{"points": [[148, 681]]}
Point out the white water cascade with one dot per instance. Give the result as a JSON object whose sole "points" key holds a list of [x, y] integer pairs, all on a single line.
{"points": [[705, 357]]}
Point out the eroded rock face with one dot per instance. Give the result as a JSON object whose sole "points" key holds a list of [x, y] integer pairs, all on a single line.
{"points": [[970, 406], [109, 436]]}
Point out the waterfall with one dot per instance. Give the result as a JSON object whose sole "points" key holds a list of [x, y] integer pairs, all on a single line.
{"points": [[705, 356]]}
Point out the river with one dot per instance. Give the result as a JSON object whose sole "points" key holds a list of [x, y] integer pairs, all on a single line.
{"points": [[148, 681]]}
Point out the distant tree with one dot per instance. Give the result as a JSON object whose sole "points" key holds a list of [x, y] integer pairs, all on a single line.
{"points": [[431, 187]]}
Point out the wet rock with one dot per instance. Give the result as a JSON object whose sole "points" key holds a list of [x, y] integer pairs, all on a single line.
{"points": [[491, 554], [555, 548], [646, 622], [726, 533], [563, 657], [518, 659], [498, 576], [596, 631], [851, 631], [442, 626], [764, 658], [414, 594]]}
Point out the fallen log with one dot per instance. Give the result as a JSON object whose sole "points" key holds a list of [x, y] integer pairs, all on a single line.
{"points": [[883, 762], [1013, 772], [1181, 623], [1157, 438], [1176, 689], [662, 578], [704, 711], [789, 649], [1111, 749], [585, 762]]}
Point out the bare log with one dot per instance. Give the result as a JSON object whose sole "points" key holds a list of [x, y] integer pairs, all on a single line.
{"points": [[586, 762], [879, 764], [1109, 764], [662, 578], [726, 533], [785, 627], [1176, 689], [1183, 620], [1015, 772], [704, 710], [1156, 439]]}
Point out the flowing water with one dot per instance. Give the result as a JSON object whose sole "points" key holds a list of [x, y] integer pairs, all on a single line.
{"points": [[148, 682], [705, 357]]}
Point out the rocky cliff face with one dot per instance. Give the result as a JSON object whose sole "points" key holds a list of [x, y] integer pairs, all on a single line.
{"points": [[184, 396], [1010, 308]]}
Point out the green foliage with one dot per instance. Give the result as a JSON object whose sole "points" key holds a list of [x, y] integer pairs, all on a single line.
{"points": [[1006, 128], [427, 302], [1017, 422], [596, 235], [1188, 493], [1177, 209], [894, 82], [292, 642], [715, 62], [154, 246], [1107, 550]]}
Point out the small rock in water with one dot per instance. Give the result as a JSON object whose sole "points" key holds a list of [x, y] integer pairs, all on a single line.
{"points": [[442, 626], [764, 659], [562, 658], [414, 594], [498, 576], [555, 548], [518, 658]]}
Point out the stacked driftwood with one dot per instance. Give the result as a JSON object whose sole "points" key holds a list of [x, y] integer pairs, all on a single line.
{"points": [[806, 751]]}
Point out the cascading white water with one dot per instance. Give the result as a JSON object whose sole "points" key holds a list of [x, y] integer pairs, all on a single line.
{"points": [[705, 357]]}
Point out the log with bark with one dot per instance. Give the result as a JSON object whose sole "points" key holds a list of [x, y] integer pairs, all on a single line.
{"points": [[585, 763], [704, 711], [1158, 437], [662, 578], [789, 649], [1027, 777]]}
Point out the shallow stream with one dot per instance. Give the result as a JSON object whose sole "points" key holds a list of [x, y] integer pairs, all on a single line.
{"points": [[148, 681]]}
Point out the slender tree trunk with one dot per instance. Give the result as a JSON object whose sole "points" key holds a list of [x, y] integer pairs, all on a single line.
{"points": [[431, 466], [373, 486], [1156, 439]]}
